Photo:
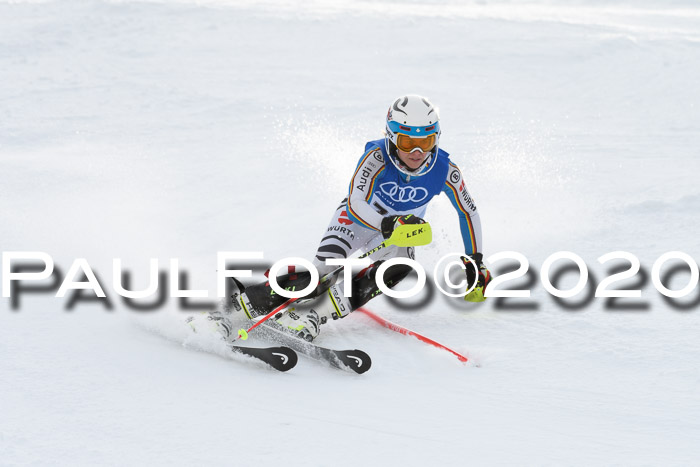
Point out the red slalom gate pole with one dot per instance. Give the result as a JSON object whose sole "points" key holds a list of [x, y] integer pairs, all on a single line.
{"points": [[407, 332]]}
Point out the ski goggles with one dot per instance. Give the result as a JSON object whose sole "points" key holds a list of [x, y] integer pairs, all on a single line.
{"points": [[408, 143]]}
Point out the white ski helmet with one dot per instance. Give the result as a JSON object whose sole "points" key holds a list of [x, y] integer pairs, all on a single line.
{"points": [[412, 124]]}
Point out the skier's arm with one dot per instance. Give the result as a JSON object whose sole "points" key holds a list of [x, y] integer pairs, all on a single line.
{"points": [[361, 185], [469, 222]]}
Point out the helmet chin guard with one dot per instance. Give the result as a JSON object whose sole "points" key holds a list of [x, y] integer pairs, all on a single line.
{"points": [[415, 117]]}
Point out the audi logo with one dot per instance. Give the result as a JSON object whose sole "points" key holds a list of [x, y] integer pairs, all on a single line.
{"points": [[404, 194]]}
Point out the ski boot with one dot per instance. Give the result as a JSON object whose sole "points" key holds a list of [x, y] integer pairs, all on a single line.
{"points": [[305, 322], [222, 324], [222, 319]]}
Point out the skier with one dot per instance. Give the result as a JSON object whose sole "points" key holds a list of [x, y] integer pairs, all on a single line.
{"points": [[393, 183]]}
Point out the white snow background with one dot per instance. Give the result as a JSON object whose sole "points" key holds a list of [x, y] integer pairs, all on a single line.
{"points": [[139, 129]]}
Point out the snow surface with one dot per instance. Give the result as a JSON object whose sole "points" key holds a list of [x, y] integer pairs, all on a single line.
{"points": [[139, 129]]}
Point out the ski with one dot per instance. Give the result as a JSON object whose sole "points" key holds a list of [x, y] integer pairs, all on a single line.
{"points": [[279, 358], [353, 360]]}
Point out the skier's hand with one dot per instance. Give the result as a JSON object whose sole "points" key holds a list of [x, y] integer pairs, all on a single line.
{"points": [[481, 276], [389, 223]]}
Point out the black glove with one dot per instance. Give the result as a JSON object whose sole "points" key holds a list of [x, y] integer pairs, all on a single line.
{"points": [[389, 223], [481, 276]]}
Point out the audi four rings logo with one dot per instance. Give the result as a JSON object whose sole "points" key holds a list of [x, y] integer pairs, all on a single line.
{"points": [[404, 194]]}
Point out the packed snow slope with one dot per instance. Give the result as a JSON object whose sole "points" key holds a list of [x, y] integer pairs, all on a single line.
{"points": [[146, 129]]}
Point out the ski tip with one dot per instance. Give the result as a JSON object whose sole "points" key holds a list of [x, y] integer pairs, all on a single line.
{"points": [[357, 360], [279, 358], [285, 360]]}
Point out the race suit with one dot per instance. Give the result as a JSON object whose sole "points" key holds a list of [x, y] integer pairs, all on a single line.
{"points": [[378, 189]]}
